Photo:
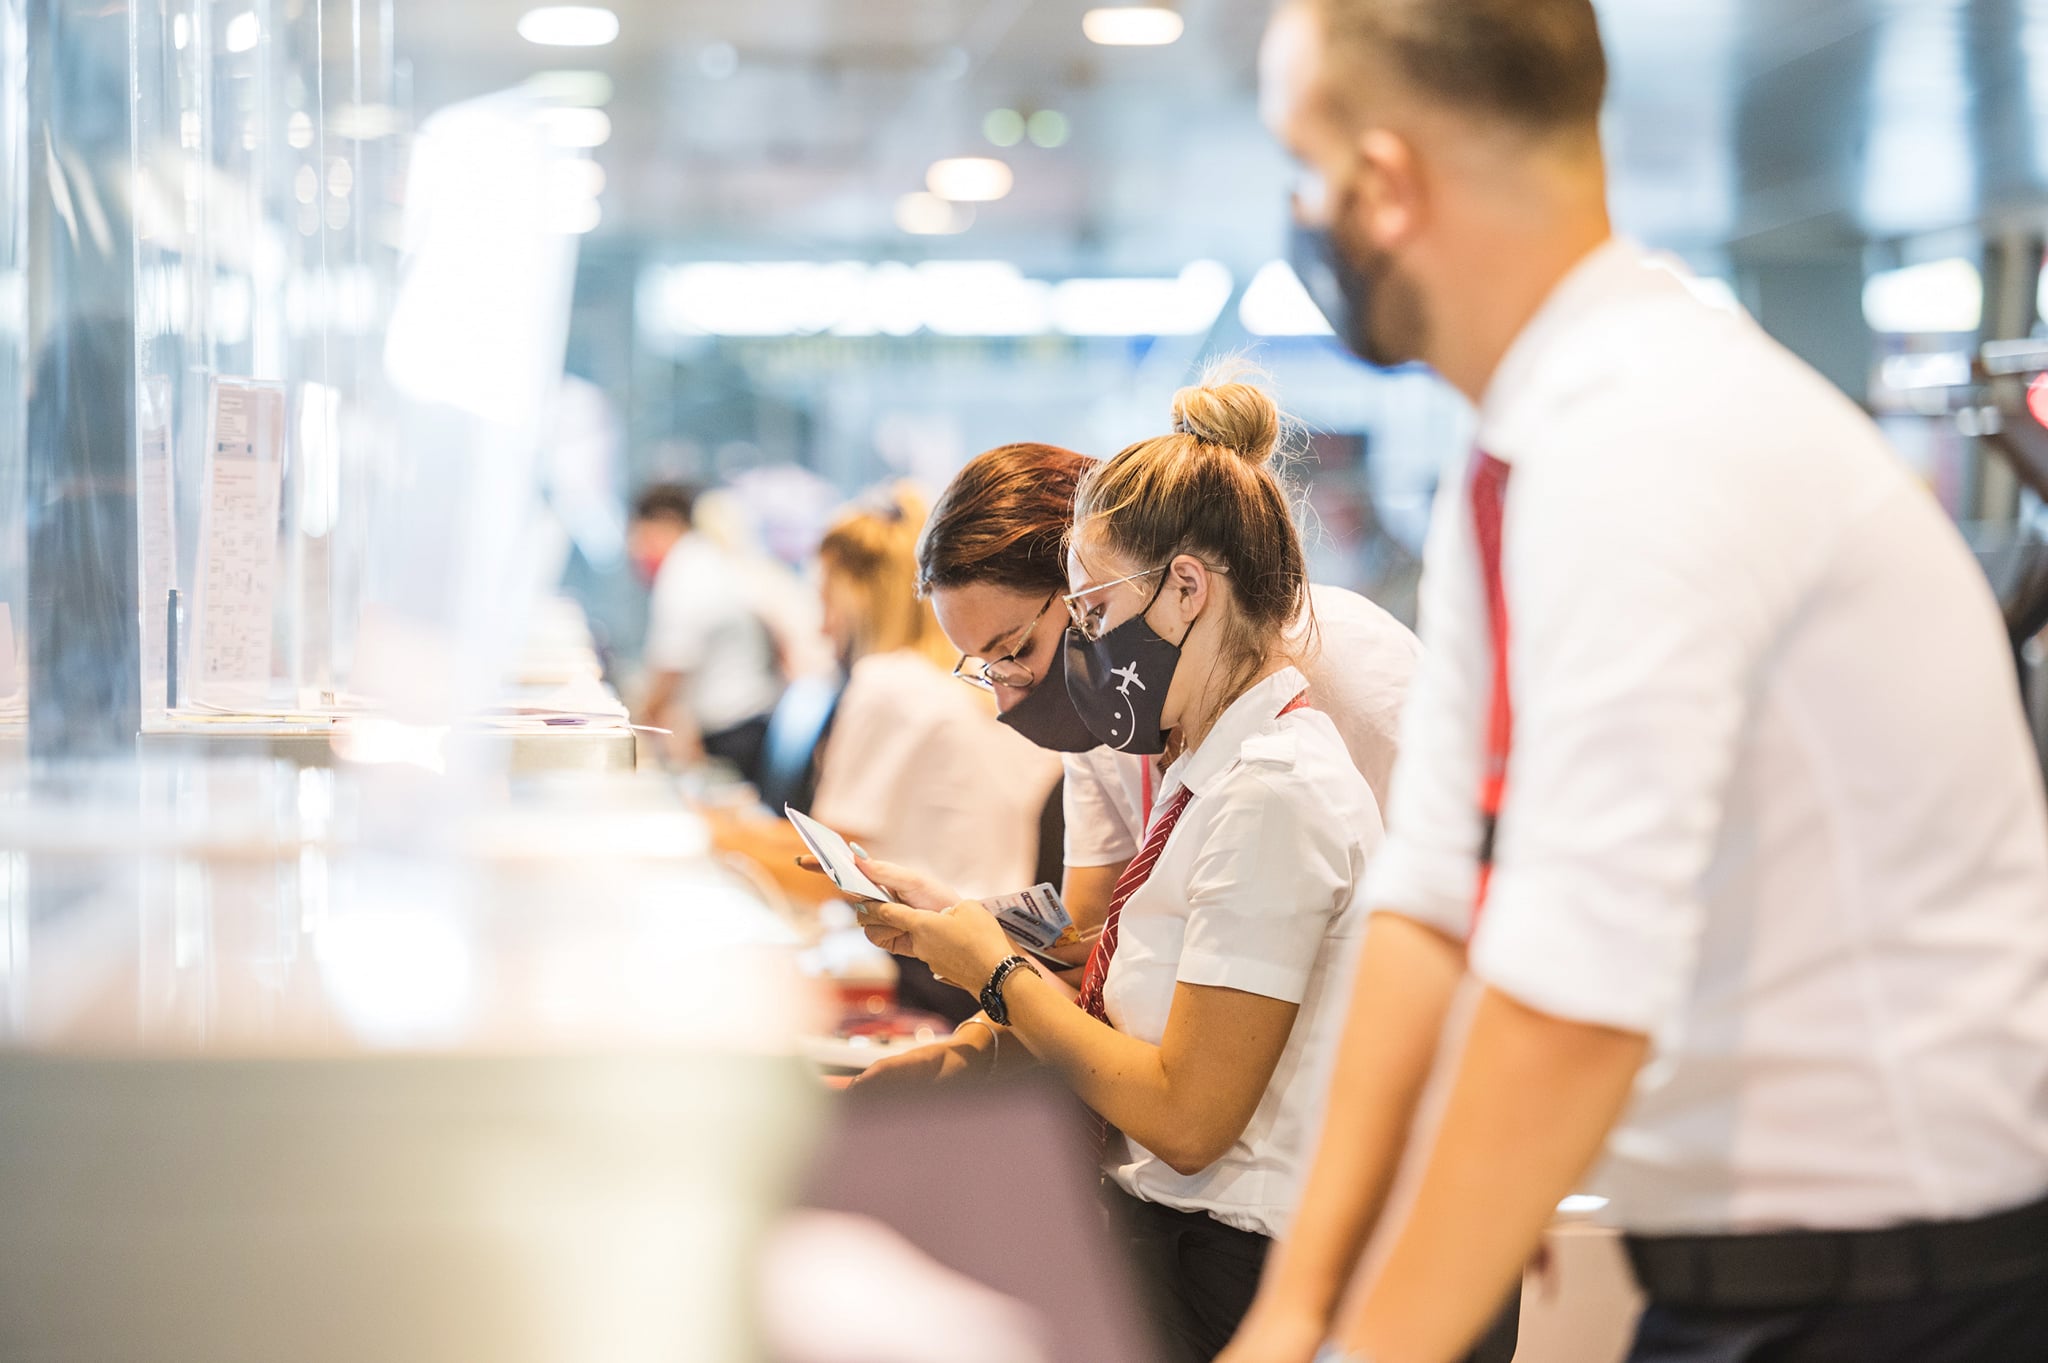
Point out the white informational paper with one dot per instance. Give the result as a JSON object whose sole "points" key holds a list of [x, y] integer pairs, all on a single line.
{"points": [[157, 538], [232, 629], [835, 856], [1036, 917], [10, 681]]}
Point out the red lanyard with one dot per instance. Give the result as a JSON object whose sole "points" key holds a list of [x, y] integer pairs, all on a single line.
{"points": [[1489, 503]]}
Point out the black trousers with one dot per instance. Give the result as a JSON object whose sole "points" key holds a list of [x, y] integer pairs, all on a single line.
{"points": [[1198, 1275], [743, 745], [2006, 1324]]}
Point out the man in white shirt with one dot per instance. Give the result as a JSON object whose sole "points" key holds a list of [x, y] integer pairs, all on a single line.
{"points": [[712, 674], [1713, 776]]}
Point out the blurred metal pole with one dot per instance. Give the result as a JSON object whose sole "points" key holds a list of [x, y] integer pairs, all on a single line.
{"points": [[83, 621]]}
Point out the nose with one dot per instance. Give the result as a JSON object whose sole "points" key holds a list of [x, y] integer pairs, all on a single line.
{"points": [[1009, 697]]}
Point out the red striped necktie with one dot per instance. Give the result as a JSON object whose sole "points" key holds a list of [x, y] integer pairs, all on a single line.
{"points": [[1096, 975], [1489, 503]]}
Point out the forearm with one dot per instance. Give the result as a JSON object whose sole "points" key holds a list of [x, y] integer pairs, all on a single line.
{"points": [[1534, 1099], [1120, 1077], [1407, 977]]}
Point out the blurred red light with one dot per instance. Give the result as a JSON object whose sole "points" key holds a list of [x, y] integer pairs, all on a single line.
{"points": [[2037, 399]]}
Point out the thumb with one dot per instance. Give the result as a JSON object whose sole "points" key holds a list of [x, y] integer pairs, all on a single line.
{"points": [[891, 915]]}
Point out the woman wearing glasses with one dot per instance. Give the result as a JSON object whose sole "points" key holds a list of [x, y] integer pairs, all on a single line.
{"points": [[915, 766], [1210, 1006]]}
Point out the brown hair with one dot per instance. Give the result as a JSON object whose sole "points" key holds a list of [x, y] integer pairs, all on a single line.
{"points": [[1003, 521], [1210, 490], [1535, 65], [874, 546]]}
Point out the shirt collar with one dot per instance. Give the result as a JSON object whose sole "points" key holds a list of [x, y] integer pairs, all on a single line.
{"points": [[1614, 271], [1251, 714]]}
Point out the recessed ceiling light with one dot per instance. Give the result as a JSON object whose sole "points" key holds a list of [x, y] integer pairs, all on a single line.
{"points": [[969, 179], [569, 26], [927, 215], [1004, 127], [1049, 128], [1132, 25]]}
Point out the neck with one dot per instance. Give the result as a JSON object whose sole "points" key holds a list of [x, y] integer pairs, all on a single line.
{"points": [[1523, 251], [1216, 695]]}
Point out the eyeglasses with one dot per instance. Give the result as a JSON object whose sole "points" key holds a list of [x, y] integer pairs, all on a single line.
{"points": [[1088, 621], [1006, 670]]}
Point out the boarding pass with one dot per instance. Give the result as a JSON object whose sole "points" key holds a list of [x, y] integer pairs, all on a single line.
{"points": [[1035, 917]]}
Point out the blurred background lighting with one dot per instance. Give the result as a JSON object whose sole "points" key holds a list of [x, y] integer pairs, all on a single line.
{"points": [[1276, 304], [181, 32], [1936, 297], [928, 215], [1049, 128], [575, 216], [1132, 25], [718, 61], [298, 131], [1003, 127], [569, 26], [580, 129], [969, 179], [243, 32], [582, 89]]}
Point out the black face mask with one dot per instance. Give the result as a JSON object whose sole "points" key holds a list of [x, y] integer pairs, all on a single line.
{"points": [[1118, 682], [1340, 290], [1048, 718]]}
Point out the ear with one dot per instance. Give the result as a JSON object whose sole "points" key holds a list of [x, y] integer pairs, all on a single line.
{"points": [[1390, 203], [1189, 586]]}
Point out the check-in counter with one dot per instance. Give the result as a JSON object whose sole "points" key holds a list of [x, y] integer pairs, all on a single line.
{"points": [[294, 1065]]}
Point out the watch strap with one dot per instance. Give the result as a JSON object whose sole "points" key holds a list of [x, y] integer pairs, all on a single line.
{"points": [[992, 1001]]}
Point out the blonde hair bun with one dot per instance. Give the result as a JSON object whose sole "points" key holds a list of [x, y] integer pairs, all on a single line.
{"points": [[1228, 409]]}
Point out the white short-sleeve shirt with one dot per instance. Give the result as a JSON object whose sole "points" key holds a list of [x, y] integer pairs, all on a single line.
{"points": [[704, 621], [1358, 662], [917, 764], [1255, 890], [1771, 798]]}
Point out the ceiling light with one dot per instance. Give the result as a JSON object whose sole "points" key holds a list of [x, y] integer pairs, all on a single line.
{"points": [[244, 30], [181, 32], [969, 179], [575, 178], [928, 215], [569, 26], [578, 129], [1049, 128], [1132, 25], [1004, 127], [582, 89]]}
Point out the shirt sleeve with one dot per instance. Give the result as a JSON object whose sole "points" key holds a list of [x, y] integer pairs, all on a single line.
{"points": [[1637, 615], [1098, 832], [1274, 870], [1428, 867]]}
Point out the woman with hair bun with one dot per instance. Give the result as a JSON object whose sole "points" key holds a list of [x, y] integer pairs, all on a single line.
{"points": [[1211, 1003]]}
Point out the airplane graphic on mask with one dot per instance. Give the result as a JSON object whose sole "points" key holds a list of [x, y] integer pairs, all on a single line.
{"points": [[1129, 677]]}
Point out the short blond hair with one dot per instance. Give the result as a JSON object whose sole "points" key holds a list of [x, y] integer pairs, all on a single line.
{"points": [[873, 545]]}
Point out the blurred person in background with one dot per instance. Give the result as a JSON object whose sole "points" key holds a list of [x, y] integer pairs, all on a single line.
{"points": [[1713, 780], [915, 766], [711, 665], [1211, 1002]]}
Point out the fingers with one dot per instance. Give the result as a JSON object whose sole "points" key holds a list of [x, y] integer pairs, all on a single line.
{"points": [[894, 916]]}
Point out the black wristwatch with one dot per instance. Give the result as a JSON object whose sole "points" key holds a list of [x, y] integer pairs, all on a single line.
{"points": [[992, 993]]}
